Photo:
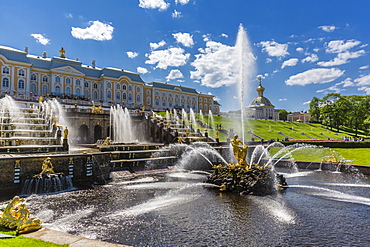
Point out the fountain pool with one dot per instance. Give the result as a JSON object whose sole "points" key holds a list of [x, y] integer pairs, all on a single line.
{"points": [[176, 208]]}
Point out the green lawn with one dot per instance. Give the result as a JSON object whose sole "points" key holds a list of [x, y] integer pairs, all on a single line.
{"points": [[23, 241]]}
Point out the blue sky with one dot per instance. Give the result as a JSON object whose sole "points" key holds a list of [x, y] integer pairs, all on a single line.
{"points": [[301, 48]]}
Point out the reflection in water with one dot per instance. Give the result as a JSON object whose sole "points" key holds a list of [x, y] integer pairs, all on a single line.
{"points": [[172, 209]]}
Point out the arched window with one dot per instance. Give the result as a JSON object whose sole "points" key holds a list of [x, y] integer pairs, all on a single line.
{"points": [[130, 97], [33, 88], [157, 102], [138, 97], [124, 97], [130, 88], [21, 84], [68, 90], [138, 89], [6, 70], [148, 100], [109, 85], [156, 93], [68, 81], [78, 82], [86, 94], [164, 102], [163, 95], [57, 79], [33, 77], [118, 95], [109, 94], [170, 103], [95, 86], [124, 87], [45, 78], [205, 107], [95, 95], [78, 92], [5, 82], [21, 72], [170, 95], [148, 92], [86, 84], [57, 89], [118, 86], [45, 89]]}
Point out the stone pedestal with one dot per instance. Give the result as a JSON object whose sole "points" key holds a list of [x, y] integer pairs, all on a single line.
{"points": [[65, 145]]}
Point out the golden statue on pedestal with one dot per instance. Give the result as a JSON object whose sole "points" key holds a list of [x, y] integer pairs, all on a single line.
{"points": [[17, 217], [98, 109], [240, 152], [46, 168]]}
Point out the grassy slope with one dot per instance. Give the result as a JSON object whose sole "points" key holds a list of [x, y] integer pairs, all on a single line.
{"points": [[23, 241], [269, 130]]}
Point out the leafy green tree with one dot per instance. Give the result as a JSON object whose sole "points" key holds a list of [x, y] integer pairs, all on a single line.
{"points": [[333, 109], [283, 114], [315, 109], [358, 112]]}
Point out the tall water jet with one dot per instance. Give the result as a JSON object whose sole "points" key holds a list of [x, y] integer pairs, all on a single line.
{"points": [[193, 119], [246, 69], [211, 122], [121, 125]]}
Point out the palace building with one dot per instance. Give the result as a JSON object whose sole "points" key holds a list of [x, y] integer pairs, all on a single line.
{"points": [[28, 76], [261, 107]]}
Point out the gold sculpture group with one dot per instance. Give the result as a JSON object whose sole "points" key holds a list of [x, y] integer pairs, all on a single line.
{"points": [[17, 217]]}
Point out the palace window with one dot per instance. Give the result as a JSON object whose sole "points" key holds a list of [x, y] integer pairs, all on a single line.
{"points": [[57, 89], [157, 102], [109, 94], [118, 86], [21, 84], [33, 77], [5, 82], [6, 70], [130, 88], [86, 94], [86, 84], [164, 102], [124, 87], [68, 81], [200, 99], [156, 93], [33, 88], [170, 103], [148, 92], [45, 78], [138, 89], [68, 90], [45, 89], [130, 97], [205, 100], [118, 95], [170, 95], [148, 100], [109, 85], [78, 92], [78, 82], [124, 96], [163, 95], [95, 86], [138, 97], [57, 79], [21, 72], [95, 95]]}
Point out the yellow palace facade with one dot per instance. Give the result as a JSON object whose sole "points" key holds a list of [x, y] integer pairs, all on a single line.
{"points": [[27, 76]]}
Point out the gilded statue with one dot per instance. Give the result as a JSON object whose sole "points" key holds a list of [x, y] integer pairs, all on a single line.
{"points": [[240, 151], [65, 133], [46, 168], [16, 216], [98, 109], [106, 141]]}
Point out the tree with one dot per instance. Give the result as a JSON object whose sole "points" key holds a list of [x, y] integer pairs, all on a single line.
{"points": [[283, 114], [333, 109], [358, 112], [315, 109]]}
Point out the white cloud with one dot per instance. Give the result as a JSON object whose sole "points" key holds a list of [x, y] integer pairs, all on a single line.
{"points": [[315, 76], [132, 54], [364, 67], [311, 58], [290, 62], [184, 38], [153, 4], [224, 35], [366, 89], [275, 49], [176, 14], [41, 38], [342, 58], [299, 49], [307, 102], [338, 46], [328, 29], [268, 60], [182, 2], [215, 65], [174, 74], [283, 99], [96, 31], [347, 82], [170, 57], [331, 89], [69, 15], [155, 46], [142, 70], [363, 80]]}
